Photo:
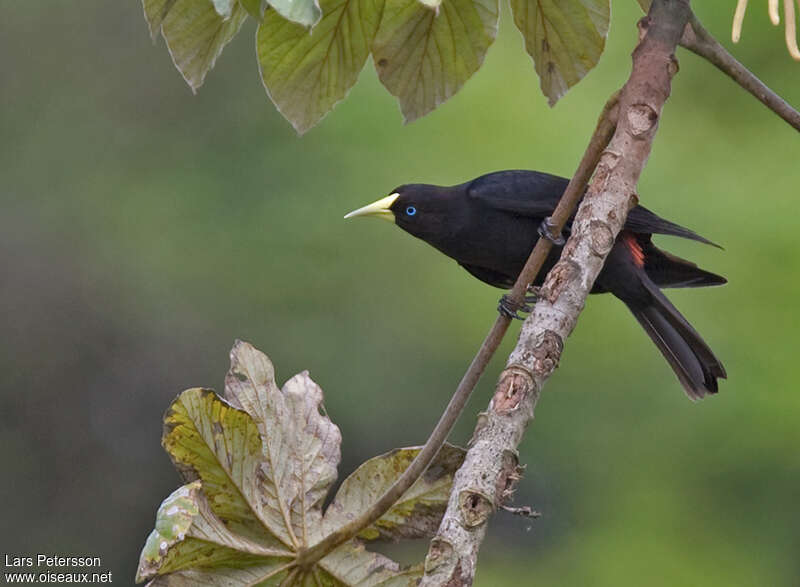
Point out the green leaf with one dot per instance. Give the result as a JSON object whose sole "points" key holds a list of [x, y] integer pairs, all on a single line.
{"points": [[255, 8], [306, 74], [258, 464], [154, 13], [303, 12], [196, 32], [417, 513], [564, 37], [424, 56], [224, 7]]}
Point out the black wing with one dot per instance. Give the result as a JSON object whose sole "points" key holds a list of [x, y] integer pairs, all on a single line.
{"points": [[526, 193], [535, 194]]}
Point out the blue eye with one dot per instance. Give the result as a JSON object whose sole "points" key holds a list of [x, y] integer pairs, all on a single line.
{"points": [[411, 210]]}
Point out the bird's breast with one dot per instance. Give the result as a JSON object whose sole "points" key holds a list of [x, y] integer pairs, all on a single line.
{"points": [[501, 243]]}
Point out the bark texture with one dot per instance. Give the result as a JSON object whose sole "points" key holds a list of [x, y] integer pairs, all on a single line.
{"points": [[491, 469]]}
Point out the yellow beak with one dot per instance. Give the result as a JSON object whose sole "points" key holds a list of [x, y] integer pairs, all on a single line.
{"points": [[379, 209]]}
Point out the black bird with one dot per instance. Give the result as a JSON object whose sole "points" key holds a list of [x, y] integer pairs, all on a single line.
{"points": [[489, 225]]}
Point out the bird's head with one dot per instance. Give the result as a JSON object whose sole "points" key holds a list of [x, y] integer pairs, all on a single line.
{"points": [[419, 209]]}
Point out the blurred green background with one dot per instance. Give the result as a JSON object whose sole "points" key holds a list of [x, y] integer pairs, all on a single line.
{"points": [[143, 229]]}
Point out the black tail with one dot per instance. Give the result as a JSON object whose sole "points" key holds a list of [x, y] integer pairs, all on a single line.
{"points": [[687, 353], [643, 221], [668, 270]]}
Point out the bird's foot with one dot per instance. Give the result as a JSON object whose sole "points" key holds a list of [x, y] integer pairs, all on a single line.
{"points": [[533, 294], [509, 308], [546, 231]]}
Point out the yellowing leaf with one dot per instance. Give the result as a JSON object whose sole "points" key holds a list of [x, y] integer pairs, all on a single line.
{"points": [[564, 37], [300, 445], [306, 74], [232, 576], [258, 464], [424, 56], [417, 513], [209, 439], [351, 564], [188, 534], [196, 32]]}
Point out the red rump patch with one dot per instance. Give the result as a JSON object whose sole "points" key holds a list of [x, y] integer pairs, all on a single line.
{"points": [[634, 247]]}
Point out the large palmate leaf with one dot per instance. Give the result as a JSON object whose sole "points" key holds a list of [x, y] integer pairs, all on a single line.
{"points": [[258, 463], [564, 37], [424, 56], [307, 74], [196, 31]]}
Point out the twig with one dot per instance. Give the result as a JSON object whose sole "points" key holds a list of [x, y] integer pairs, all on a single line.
{"points": [[490, 470], [565, 208], [699, 41], [525, 511], [571, 197]]}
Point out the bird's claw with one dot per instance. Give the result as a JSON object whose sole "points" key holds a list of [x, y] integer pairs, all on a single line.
{"points": [[533, 294], [546, 231], [509, 308]]}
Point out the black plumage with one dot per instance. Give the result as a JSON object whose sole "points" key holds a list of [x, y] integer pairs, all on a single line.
{"points": [[489, 226]]}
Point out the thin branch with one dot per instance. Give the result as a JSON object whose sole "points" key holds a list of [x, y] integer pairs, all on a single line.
{"points": [[606, 125], [699, 41], [490, 470], [565, 208]]}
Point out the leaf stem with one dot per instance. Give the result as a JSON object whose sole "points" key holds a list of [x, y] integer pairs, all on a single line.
{"points": [[277, 571], [566, 206]]}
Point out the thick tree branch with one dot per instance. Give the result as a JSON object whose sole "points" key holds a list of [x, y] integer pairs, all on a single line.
{"points": [[490, 470], [698, 40]]}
